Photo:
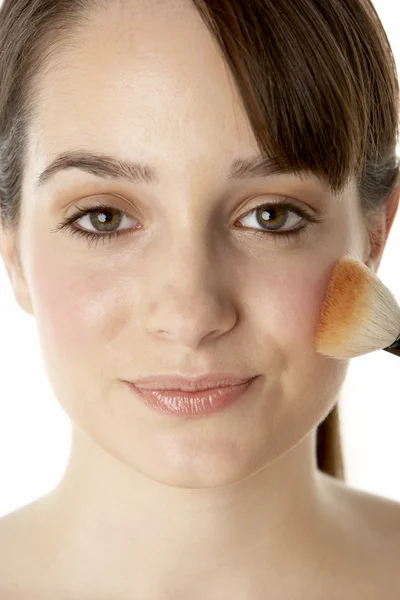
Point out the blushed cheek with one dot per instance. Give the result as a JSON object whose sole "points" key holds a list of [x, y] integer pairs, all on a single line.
{"points": [[292, 302], [73, 307]]}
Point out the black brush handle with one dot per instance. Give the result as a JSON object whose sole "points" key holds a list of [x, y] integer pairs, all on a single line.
{"points": [[394, 348]]}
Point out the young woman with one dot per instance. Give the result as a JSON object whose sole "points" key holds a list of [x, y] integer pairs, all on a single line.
{"points": [[177, 180]]}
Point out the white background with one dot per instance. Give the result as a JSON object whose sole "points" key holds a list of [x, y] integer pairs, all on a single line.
{"points": [[35, 432]]}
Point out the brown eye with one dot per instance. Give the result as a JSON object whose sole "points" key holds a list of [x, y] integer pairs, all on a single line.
{"points": [[273, 217], [105, 219]]}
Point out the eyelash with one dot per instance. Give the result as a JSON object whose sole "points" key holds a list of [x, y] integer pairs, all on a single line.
{"points": [[67, 224]]}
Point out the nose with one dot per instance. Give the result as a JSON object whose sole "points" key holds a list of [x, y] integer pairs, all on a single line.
{"points": [[192, 299]]}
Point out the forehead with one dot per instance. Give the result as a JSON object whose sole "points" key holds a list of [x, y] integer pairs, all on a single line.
{"points": [[143, 80], [140, 77]]}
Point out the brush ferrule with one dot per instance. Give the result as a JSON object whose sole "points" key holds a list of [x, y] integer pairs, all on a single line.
{"points": [[394, 348]]}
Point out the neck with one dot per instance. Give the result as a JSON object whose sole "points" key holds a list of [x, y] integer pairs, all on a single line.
{"points": [[117, 529]]}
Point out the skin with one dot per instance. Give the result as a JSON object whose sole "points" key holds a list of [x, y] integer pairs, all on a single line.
{"points": [[227, 506]]}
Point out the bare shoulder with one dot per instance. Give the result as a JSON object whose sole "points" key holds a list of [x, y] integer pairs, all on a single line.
{"points": [[368, 536], [23, 546], [19, 526], [381, 514]]}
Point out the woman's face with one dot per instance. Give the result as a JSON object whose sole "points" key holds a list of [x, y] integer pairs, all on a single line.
{"points": [[185, 288]]}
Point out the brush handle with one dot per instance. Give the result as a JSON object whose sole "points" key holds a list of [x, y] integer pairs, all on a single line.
{"points": [[394, 348]]}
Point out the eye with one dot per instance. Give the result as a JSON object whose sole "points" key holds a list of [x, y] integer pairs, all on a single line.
{"points": [[104, 220], [273, 217], [91, 219]]}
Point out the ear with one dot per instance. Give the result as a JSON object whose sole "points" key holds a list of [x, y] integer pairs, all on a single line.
{"points": [[10, 253], [379, 229]]}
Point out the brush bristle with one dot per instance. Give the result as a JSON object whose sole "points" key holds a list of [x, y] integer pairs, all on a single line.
{"points": [[359, 314]]}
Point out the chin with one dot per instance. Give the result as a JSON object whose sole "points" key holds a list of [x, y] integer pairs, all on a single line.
{"points": [[209, 466]]}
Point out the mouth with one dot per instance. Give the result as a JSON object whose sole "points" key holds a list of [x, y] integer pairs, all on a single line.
{"points": [[206, 382], [193, 403]]}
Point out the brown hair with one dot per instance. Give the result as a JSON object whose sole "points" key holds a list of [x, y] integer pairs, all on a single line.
{"points": [[317, 79]]}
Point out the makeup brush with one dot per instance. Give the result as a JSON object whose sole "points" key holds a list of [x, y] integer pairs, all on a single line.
{"points": [[359, 314]]}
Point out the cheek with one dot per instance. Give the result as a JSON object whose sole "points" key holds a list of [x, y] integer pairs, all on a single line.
{"points": [[289, 301], [75, 307]]}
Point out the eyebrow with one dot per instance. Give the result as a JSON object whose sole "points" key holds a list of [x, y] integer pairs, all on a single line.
{"points": [[110, 167]]}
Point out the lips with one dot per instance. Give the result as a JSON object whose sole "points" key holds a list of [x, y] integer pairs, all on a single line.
{"points": [[191, 403], [210, 381]]}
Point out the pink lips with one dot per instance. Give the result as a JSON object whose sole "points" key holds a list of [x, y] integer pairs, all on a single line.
{"points": [[191, 403], [190, 384]]}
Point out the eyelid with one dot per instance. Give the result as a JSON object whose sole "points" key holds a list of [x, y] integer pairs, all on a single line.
{"points": [[99, 200], [285, 201]]}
